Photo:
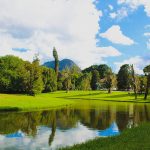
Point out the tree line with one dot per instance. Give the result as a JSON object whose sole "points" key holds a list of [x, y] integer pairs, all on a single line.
{"points": [[19, 76]]}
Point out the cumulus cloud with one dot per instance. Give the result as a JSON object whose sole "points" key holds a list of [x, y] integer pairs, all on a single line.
{"points": [[35, 25], [110, 7], [138, 62], [115, 35], [148, 44], [113, 15], [147, 26], [134, 4], [147, 34], [119, 14], [109, 51]]}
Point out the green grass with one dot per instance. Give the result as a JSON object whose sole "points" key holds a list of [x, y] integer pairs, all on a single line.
{"points": [[25, 102], [131, 139], [116, 96], [61, 98]]}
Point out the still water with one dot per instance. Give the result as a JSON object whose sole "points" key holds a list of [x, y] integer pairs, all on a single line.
{"points": [[52, 129]]}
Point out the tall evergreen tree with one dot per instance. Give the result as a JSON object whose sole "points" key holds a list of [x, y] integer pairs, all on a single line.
{"points": [[110, 80], [55, 55], [95, 80], [49, 79], [147, 73], [35, 80], [134, 82]]}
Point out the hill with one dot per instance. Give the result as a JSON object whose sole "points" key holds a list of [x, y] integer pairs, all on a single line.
{"points": [[62, 64]]}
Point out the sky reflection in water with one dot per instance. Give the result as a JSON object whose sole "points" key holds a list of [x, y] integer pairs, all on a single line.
{"points": [[66, 127]]}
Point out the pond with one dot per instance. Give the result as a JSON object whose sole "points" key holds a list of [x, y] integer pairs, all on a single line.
{"points": [[52, 129]]}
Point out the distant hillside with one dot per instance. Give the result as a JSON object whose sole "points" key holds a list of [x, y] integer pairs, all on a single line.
{"points": [[62, 64]]}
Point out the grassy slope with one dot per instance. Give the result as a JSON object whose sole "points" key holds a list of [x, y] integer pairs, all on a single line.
{"points": [[24, 102], [136, 139], [56, 99]]}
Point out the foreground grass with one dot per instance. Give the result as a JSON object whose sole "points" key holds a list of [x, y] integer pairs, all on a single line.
{"points": [[61, 98], [131, 139]]}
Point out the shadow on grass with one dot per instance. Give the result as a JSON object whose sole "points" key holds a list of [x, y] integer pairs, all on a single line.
{"points": [[107, 100], [120, 96], [9, 109], [81, 95]]}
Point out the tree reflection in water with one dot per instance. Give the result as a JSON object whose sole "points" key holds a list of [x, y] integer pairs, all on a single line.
{"points": [[64, 119], [51, 138]]}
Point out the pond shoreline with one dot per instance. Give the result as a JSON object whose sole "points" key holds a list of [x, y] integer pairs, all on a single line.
{"points": [[130, 139], [18, 102]]}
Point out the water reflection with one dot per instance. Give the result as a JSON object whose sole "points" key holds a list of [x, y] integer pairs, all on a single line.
{"points": [[18, 134], [57, 128], [113, 130]]}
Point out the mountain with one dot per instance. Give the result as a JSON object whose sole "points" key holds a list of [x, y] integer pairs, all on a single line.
{"points": [[62, 64]]}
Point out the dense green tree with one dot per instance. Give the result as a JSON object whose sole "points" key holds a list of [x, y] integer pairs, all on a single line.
{"points": [[95, 80], [49, 79], [110, 80], [142, 84], [36, 83], [123, 77], [68, 78], [55, 55], [75, 73], [12, 74], [147, 73], [66, 73], [84, 82], [90, 69], [103, 69]]}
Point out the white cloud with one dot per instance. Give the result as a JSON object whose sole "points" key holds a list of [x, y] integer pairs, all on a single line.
{"points": [[119, 14], [110, 7], [147, 34], [108, 51], [138, 62], [37, 25], [115, 35], [148, 44], [113, 15], [147, 26], [134, 4]]}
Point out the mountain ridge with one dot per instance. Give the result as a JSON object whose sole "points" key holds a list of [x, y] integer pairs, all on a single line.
{"points": [[62, 64]]}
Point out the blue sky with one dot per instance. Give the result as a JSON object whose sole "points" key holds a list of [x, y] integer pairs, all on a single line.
{"points": [[87, 31], [132, 25]]}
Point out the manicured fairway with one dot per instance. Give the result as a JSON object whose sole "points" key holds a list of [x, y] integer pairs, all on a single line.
{"points": [[25, 102], [61, 98], [131, 139]]}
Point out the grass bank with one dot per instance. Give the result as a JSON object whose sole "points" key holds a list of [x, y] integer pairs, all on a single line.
{"points": [[12, 102], [61, 98], [131, 139]]}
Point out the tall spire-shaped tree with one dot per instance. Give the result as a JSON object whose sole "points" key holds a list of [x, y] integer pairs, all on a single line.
{"points": [[147, 74], [134, 82], [55, 55]]}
